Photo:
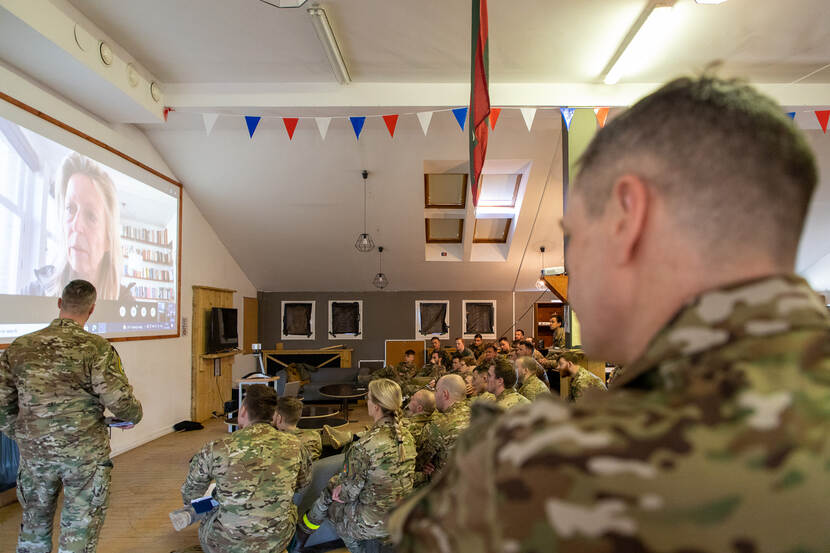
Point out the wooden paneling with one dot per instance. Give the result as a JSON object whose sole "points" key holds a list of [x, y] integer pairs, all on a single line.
{"points": [[250, 323], [208, 391], [396, 348]]}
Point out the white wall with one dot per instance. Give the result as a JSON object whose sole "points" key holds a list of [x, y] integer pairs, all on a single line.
{"points": [[159, 370]]}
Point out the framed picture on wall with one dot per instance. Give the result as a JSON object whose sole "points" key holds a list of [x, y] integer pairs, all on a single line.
{"points": [[479, 317], [432, 318], [346, 320], [297, 320]]}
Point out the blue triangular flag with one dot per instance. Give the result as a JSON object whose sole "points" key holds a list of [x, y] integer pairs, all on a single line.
{"points": [[252, 122], [460, 116], [791, 115], [567, 115], [357, 125]]}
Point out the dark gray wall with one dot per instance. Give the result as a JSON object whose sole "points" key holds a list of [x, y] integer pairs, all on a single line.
{"points": [[389, 315]]}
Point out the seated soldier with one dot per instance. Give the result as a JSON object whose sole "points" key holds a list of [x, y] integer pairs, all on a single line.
{"points": [[501, 380], [525, 348], [477, 347], [504, 347], [489, 355], [531, 385], [457, 364], [439, 435], [581, 378], [435, 368], [436, 348], [461, 351], [466, 373], [480, 384], [407, 368], [419, 412], [287, 415], [257, 469]]}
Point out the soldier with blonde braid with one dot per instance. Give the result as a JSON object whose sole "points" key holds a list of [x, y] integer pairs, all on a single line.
{"points": [[378, 472]]}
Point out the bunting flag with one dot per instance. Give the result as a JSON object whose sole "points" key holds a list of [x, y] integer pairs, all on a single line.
{"points": [[567, 115], [528, 114], [391, 122], [602, 115], [252, 121], [424, 117], [460, 116], [290, 125], [823, 116], [494, 116], [479, 94], [357, 125], [791, 115], [209, 120], [166, 111], [323, 125]]}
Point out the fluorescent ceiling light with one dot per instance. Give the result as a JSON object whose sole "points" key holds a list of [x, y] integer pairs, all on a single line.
{"points": [[332, 50], [642, 41]]}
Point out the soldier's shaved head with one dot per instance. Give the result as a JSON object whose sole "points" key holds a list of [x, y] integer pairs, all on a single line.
{"points": [[449, 389], [425, 399], [78, 297]]}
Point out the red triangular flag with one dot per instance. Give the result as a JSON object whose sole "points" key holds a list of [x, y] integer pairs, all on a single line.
{"points": [[166, 111], [391, 122], [823, 116], [290, 124], [494, 116], [602, 115]]}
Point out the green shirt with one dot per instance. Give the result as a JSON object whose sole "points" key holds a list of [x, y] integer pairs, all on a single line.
{"points": [[581, 381], [532, 387]]}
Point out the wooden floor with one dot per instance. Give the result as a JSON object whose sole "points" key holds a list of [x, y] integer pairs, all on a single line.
{"points": [[145, 488]]}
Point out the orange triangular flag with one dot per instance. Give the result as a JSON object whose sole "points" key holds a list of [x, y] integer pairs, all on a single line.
{"points": [[391, 122], [602, 115], [823, 116], [290, 124], [494, 116]]}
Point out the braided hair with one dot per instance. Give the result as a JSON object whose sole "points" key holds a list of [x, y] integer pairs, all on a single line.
{"points": [[386, 394]]}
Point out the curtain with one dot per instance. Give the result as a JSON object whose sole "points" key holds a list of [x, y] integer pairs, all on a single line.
{"points": [[434, 318], [297, 319], [345, 318], [480, 318]]}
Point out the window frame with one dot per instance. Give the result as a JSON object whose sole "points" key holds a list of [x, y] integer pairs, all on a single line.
{"points": [[418, 335], [490, 336], [313, 328], [347, 336]]}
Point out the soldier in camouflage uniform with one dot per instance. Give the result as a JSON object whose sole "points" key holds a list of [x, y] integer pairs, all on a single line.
{"points": [[287, 414], [378, 472], [501, 382], [714, 436], [504, 350], [480, 391], [407, 368], [438, 437], [257, 470], [54, 386], [446, 359], [531, 387], [581, 379], [419, 412], [477, 347], [558, 332]]}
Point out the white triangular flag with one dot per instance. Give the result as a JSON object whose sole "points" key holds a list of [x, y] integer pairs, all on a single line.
{"points": [[210, 120], [528, 114], [323, 125], [424, 117]]}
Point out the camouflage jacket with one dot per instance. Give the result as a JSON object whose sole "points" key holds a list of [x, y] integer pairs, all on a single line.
{"points": [[532, 387], [581, 381], [438, 437], [311, 440], [715, 440], [54, 386], [477, 350], [372, 482], [509, 397], [257, 470], [487, 396], [407, 371], [559, 338], [415, 424]]}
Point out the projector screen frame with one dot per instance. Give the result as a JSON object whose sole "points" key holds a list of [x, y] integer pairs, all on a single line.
{"points": [[70, 129]]}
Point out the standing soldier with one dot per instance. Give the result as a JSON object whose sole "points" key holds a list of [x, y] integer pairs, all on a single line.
{"points": [[682, 228], [558, 331], [54, 386], [257, 469]]}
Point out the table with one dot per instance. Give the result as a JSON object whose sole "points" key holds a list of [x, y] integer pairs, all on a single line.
{"points": [[318, 423], [319, 412], [343, 392]]}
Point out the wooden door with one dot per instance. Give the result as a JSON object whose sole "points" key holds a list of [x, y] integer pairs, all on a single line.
{"points": [[250, 327]]}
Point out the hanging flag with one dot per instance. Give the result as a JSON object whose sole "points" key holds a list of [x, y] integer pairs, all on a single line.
{"points": [[460, 116], [494, 116], [567, 115], [166, 111], [791, 115], [528, 114], [252, 122], [602, 115], [391, 122], [323, 125], [424, 117], [479, 94], [823, 115], [210, 120], [357, 125], [290, 125]]}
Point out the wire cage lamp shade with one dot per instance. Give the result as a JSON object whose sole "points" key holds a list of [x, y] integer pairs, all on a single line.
{"points": [[540, 283], [380, 281], [364, 242]]}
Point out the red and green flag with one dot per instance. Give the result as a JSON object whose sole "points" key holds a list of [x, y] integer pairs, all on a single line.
{"points": [[479, 95]]}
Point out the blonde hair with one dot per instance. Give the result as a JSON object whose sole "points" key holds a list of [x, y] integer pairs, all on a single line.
{"points": [[387, 395], [108, 279]]}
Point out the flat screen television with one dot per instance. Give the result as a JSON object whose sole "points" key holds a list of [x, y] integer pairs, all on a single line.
{"points": [[222, 335]]}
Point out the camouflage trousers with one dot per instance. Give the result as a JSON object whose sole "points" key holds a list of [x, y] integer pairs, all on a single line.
{"points": [[214, 538], [85, 500]]}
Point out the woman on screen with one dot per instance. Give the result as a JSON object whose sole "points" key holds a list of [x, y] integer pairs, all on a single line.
{"points": [[89, 214]]}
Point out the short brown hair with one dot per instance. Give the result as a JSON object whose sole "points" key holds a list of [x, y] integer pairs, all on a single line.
{"points": [[574, 357], [290, 409], [78, 297], [260, 401], [505, 370], [718, 151]]}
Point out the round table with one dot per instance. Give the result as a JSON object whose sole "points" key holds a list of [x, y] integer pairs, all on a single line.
{"points": [[317, 424], [343, 392], [319, 411]]}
